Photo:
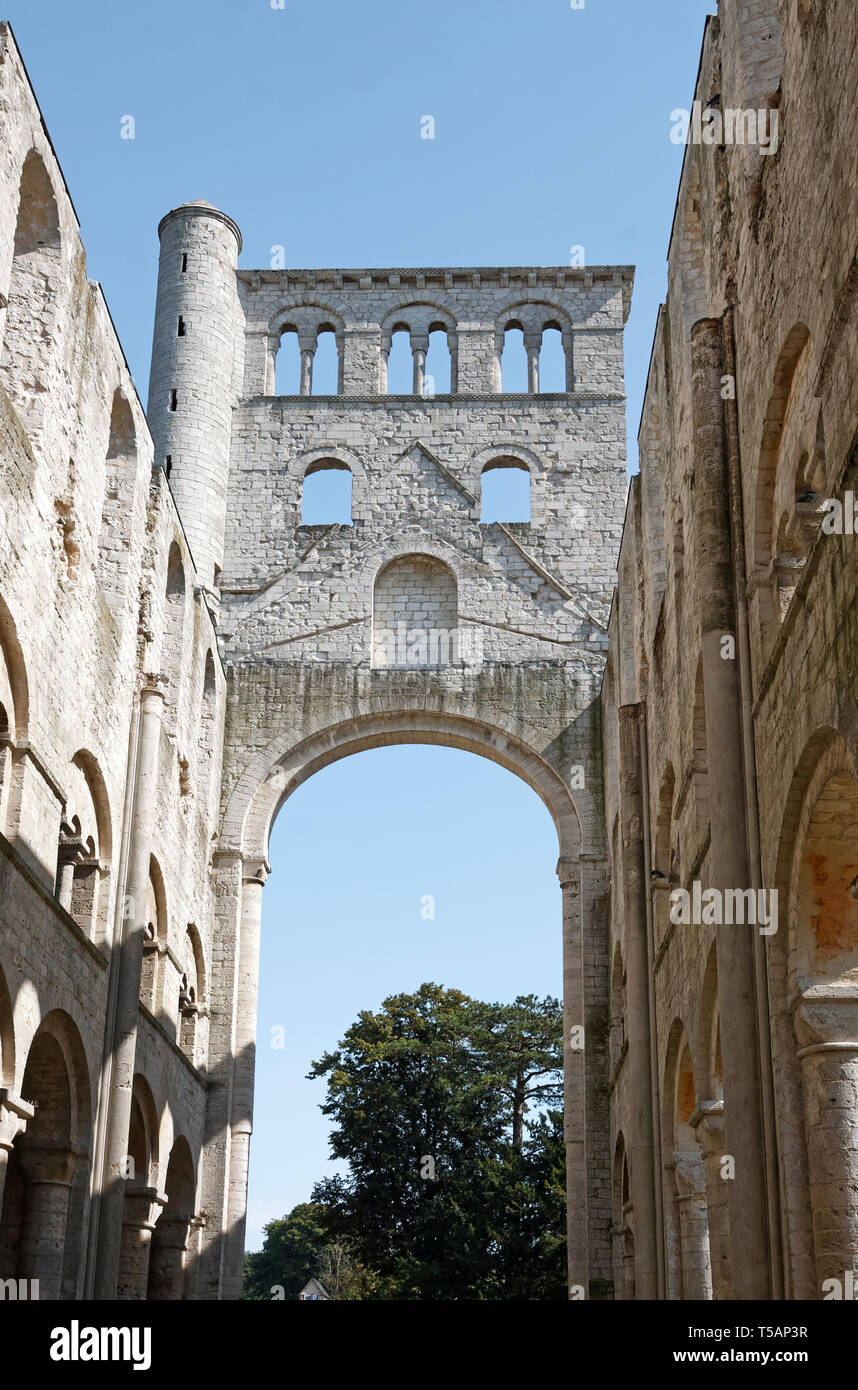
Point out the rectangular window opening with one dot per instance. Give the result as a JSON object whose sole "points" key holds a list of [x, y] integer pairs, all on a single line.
{"points": [[174, 399], [181, 329], [184, 262]]}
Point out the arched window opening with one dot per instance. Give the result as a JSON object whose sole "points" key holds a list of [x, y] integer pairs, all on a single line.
{"points": [[665, 863], [170, 1238], [505, 491], [690, 1178], [326, 497], [47, 1166], [287, 363], [700, 755], [31, 314], [552, 360], [326, 363], [154, 939], [415, 614], [438, 378], [83, 850], [5, 762], [400, 363], [119, 467], [617, 1040], [191, 988], [623, 1226], [514, 373], [174, 627]]}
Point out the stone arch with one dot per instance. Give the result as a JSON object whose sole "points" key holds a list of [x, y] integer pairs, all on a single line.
{"points": [[120, 466], [686, 1216], [168, 1259], [336, 509], [623, 1224], [175, 615], [617, 1037], [154, 938], [533, 317], [192, 993], [307, 318], [141, 1196], [273, 775], [820, 855], [763, 541], [700, 756], [33, 298], [14, 709], [7, 1035], [666, 875], [85, 846], [415, 619], [48, 1165], [14, 686], [491, 502]]}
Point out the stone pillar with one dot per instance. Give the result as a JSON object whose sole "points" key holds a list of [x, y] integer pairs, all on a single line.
{"points": [[142, 1206], [745, 1139], [14, 1114], [307, 345], [827, 1030], [532, 343], [227, 887], [708, 1124], [419, 349], [48, 1172], [640, 1138], [574, 1077], [72, 850], [693, 1226], [167, 1257], [254, 875], [127, 960]]}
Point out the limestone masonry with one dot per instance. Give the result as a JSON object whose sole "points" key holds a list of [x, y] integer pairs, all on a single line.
{"points": [[179, 650]]}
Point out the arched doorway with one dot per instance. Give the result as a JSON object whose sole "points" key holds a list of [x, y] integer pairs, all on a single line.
{"points": [[268, 781]]}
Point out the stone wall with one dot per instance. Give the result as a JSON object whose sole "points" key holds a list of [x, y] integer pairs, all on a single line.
{"points": [[748, 425]]}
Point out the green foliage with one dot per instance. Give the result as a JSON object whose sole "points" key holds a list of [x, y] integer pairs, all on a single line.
{"points": [[289, 1255], [438, 1082]]}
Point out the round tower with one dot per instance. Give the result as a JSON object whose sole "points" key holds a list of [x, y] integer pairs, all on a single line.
{"points": [[190, 390]]}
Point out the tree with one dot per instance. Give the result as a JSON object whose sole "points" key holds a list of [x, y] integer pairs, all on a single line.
{"points": [[448, 1194], [289, 1256]]}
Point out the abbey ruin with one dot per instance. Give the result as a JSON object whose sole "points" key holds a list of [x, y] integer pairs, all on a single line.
{"points": [[671, 666]]}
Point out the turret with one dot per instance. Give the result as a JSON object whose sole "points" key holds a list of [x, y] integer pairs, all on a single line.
{"points": [[190, 391]]}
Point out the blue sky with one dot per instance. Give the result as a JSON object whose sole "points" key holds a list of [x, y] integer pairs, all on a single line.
{"points": [[303, 123]]}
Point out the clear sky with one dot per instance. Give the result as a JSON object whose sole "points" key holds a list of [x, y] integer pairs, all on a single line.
{"points": [[552, 130]]}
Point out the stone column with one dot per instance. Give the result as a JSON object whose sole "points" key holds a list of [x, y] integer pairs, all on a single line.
{"points": [[307, 345], [142, 1206], [532, 343], [14, 1114], [708, 1124], [745, 1139], [254, 875], [419, 349], [574, 1076], [127, 960], [72, 850], [167, 1257], [48, 1172], [827, 1030], [640, 1139], [693, 1225], [227, 887]]}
